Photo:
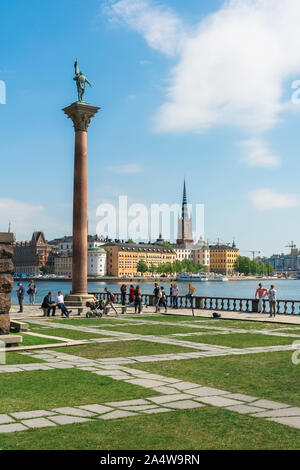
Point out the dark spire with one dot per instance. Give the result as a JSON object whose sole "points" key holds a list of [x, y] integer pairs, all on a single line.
{"points": [[184, 204]]}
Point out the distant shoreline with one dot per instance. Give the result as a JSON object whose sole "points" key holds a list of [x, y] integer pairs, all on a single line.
{"points": [[151, 279]]}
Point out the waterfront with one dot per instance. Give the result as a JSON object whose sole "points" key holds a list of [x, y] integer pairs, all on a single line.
{"points": [[287, 290]]}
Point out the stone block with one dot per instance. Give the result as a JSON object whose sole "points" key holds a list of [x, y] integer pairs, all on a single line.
{"points": [[6, 251], [10, 340], [6, 266], [6, 283], [4, 324], [5, 303]]}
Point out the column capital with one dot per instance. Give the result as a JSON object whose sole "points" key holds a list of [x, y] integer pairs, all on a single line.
{"points": [[81, 114]]}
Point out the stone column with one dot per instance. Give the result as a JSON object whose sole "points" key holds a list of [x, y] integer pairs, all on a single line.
{"points": [[81, 115], [6, 280]]}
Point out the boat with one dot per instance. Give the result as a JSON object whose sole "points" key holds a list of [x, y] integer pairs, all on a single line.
{"points": [[201, 277]]}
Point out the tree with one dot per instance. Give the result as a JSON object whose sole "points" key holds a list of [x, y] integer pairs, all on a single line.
{"points": [[152, 268], [46, 270], [130, 241], [142, 267], [167, 245]]}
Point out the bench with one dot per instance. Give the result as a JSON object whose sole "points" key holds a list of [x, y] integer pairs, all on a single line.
{"points": [[10, 340]]}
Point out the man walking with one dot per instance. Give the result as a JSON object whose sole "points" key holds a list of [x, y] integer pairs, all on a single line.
{"points": [[20, 295], [272, 294], [157, 297], [109, 301], [163, 299], [260, 293]]}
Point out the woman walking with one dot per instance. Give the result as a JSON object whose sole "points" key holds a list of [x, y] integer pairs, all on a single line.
{"points": [[138, 300], [131, 294]]}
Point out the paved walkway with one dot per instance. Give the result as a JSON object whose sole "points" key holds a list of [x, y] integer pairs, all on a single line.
{"points": [[171, 393]]}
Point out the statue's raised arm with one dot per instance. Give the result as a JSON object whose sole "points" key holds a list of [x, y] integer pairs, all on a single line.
{"points": [[76, 67]]}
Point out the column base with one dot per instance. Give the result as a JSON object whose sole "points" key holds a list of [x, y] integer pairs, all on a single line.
{"points": [[78, 300]]}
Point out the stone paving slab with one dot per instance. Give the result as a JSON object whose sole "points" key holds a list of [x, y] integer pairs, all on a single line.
{"points": [[244, 409], [38, 423], [64, 419], [31, 414], [118, 414], [12, 427], [156, 410], [4, 419], [293, 411], [138, 407], [273, 405], [206, 391], [241, 396], [166, 390], [185, 385], [169, 398], [184, 404], [146, 383], [293, 422], [73, 411], [219, 401], [118, 404], [98, 409]]}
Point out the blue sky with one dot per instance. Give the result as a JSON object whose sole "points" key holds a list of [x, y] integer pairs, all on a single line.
{"points": [[200, 89]]}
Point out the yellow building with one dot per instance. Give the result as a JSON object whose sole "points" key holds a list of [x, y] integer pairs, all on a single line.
{"points": [[122, 258], [223, 258]]}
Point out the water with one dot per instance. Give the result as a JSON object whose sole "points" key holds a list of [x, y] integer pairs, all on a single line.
{"points": [[287, 290]]}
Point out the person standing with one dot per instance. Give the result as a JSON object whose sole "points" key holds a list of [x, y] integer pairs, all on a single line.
{"points": [[20, 295], [59, 301], [31, 292], [272, 294], [171, 295], [123, 294], [163, 299], [138, 300], [157, 297], [131, 294], [260, 293], [47, 304], [109, 301], [175, 293]]}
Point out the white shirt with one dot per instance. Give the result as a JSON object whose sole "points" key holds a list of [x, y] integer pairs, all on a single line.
{"points": [[59, 299]]}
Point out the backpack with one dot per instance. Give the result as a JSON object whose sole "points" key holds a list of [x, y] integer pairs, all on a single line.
{"points": [[112, 297]]}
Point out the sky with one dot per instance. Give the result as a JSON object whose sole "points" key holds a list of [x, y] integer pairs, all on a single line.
{"points": [[202, 90]]}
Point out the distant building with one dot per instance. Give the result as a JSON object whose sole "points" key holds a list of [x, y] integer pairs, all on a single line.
{"points": [[122, 258], [30, 256], [185, 225], [223, 258], [63, 264], [96, 261], [65, 244]]}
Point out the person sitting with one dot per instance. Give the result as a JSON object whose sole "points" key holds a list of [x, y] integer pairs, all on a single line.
{"points": [[60, 304], [48, 304]]}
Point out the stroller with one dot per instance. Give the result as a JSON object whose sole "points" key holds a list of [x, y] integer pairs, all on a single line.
{"points": [[96, 309]]}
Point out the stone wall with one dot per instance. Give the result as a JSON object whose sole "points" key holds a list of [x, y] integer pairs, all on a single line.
{"points": [[6, 280]]}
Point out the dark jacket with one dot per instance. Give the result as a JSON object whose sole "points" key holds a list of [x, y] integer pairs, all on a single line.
{"points": [[47, 302]]}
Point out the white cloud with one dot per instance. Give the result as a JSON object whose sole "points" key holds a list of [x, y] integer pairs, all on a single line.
{"points": [[26, 217], [257, 154], [268, 199], [160, 26], [130, 168], [231, 67]]}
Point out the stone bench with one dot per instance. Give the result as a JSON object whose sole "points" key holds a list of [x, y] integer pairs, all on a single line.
{"points": [[16, 326], [10, 340]]}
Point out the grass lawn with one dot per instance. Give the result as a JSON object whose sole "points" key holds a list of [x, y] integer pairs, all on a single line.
{"points": [[45, 389], [266, 375], [239, 340], [122, 349], [64, 333], [203, 428]]}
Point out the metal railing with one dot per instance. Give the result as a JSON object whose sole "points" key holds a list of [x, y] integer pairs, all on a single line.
{"points": [[223, 304]]}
